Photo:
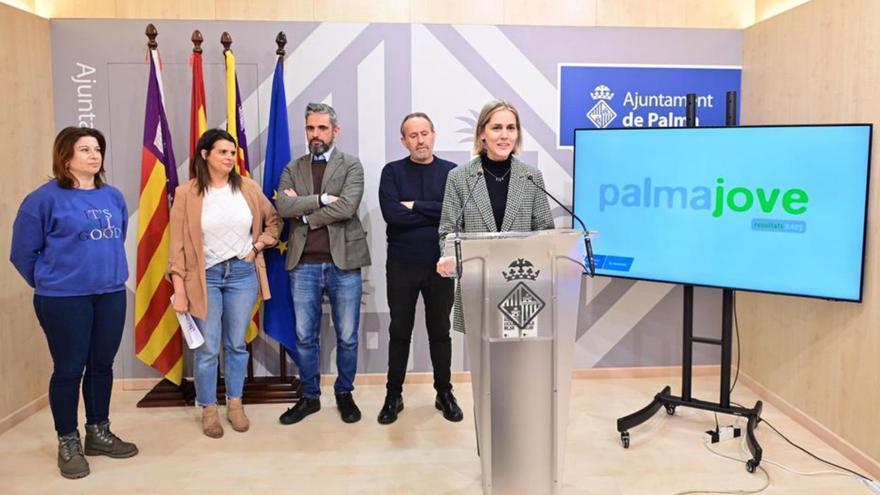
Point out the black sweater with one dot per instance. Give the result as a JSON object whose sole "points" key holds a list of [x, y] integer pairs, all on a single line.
{"points": [[412, 234], [497, 175]]}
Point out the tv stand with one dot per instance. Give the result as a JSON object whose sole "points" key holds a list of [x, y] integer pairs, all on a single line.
{"points": [[670, 402]]}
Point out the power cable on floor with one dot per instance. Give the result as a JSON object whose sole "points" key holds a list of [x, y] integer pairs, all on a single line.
{"points": [[738, 344], [730, 492], [814, 456]]}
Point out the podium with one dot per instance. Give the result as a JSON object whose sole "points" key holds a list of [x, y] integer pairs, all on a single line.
{"points": [[520, 294]]}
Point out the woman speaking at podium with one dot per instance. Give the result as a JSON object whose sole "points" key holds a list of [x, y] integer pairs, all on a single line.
{"points": [[494, 192]]}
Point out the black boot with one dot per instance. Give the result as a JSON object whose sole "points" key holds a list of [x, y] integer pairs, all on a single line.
{"points": [[71, 461], [101, 441], [393, 405], [446, 402]]}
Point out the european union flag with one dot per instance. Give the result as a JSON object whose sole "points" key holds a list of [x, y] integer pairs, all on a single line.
{"points": [[278, 317]]}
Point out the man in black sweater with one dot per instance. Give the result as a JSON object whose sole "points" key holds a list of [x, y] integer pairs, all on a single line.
{"points": [[411, 195]]}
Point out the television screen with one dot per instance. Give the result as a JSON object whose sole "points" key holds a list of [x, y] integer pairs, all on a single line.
{"points": [[776, 209]]}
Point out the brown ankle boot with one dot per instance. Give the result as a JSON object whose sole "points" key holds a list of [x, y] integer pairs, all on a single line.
{"points": [[211, 422], [236, 416]]}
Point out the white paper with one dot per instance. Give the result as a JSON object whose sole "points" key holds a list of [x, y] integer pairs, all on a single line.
{"points": [[191, 332]]}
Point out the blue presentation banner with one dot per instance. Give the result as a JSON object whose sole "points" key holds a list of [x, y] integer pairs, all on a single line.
{"points": [[627, 96], [770, 209]]}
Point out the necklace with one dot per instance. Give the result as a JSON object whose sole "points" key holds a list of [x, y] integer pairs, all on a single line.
{"points": [[497, 179]]}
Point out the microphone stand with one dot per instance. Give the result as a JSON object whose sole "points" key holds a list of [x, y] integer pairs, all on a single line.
{"points": [[458, 219], [588, 244]]}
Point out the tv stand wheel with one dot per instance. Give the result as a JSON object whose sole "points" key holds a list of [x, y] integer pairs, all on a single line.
{"points": [[751, 465], [624, 439], [670, 410]]}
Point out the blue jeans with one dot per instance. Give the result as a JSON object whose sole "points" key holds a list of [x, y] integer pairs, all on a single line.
{"points": [[232, 291], [83, 333], [307, 285]]}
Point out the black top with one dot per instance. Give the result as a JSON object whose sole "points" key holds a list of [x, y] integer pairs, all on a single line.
{"points": [[412, 234], [497, 175]]}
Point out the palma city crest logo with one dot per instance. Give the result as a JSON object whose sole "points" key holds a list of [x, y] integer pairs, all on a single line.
{"points": [[601, 114], [521, 305]]}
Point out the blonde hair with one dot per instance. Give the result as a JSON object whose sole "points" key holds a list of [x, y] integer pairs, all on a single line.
{"points": [[486, 113]]}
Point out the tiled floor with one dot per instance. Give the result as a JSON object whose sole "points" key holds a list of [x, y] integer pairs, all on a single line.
{"points": [[419, 454]]}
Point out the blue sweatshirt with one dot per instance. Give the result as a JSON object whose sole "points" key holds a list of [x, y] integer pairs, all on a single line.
{"points": [[412, 234], [71, 242]]}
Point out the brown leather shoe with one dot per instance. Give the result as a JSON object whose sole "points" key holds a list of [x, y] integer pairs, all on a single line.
{"points": [[211, 422], [236, 416]]}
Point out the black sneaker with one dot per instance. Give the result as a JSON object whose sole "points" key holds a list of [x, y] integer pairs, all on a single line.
{"points": [[304, 407], [101, 441], [393, 405], [347, 408], [446, 402], [71, 461]]}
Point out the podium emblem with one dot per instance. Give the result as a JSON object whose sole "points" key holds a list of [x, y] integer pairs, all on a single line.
{"points": [[521, 305]]}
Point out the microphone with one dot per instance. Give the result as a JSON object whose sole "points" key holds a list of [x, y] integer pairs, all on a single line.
{"points": [[588, 244], [460, 216], [458, 220]]}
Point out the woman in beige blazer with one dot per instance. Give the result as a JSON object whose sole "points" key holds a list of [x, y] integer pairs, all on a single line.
{"points": [[220, 224]]}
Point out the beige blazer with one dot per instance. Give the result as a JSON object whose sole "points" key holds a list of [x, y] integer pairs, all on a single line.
{"points": [[186, 256]]}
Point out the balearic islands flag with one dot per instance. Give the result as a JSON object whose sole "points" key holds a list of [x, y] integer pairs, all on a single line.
{"points": [[235, 126], [158, 342]]}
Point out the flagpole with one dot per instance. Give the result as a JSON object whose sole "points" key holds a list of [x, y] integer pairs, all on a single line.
{"points": [[281, 41]]}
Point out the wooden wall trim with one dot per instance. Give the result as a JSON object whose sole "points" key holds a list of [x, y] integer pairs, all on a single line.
{"points": [[24, 412], [834, 440]]}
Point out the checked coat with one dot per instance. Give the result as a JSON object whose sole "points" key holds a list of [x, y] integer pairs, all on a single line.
{"points": [[527, 208]]}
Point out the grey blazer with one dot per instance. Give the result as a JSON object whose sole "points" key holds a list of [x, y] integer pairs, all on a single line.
{"points": [[527, 208], [343, 177]]}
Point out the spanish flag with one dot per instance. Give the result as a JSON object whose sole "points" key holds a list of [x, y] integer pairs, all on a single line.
{"points": [[235, 126], [198, 122], [158, 341]]}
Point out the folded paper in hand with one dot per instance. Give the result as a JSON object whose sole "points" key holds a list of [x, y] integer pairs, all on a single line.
{"points": [[191, 332]]}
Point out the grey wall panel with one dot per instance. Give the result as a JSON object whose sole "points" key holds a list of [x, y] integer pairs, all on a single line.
{"points": [[374, 74]]}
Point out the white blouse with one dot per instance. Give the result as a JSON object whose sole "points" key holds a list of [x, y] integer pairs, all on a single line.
{"points": [[226, 225]]}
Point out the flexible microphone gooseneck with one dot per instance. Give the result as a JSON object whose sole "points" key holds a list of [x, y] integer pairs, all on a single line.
{"points": [[458, 220], [588, 244]]}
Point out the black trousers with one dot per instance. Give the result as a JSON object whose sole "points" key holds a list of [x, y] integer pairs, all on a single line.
{"points": [[405, 281], [83, 334]]}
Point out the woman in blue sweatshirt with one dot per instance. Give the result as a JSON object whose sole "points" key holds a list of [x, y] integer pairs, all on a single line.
{"points": [[68, 242]]}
